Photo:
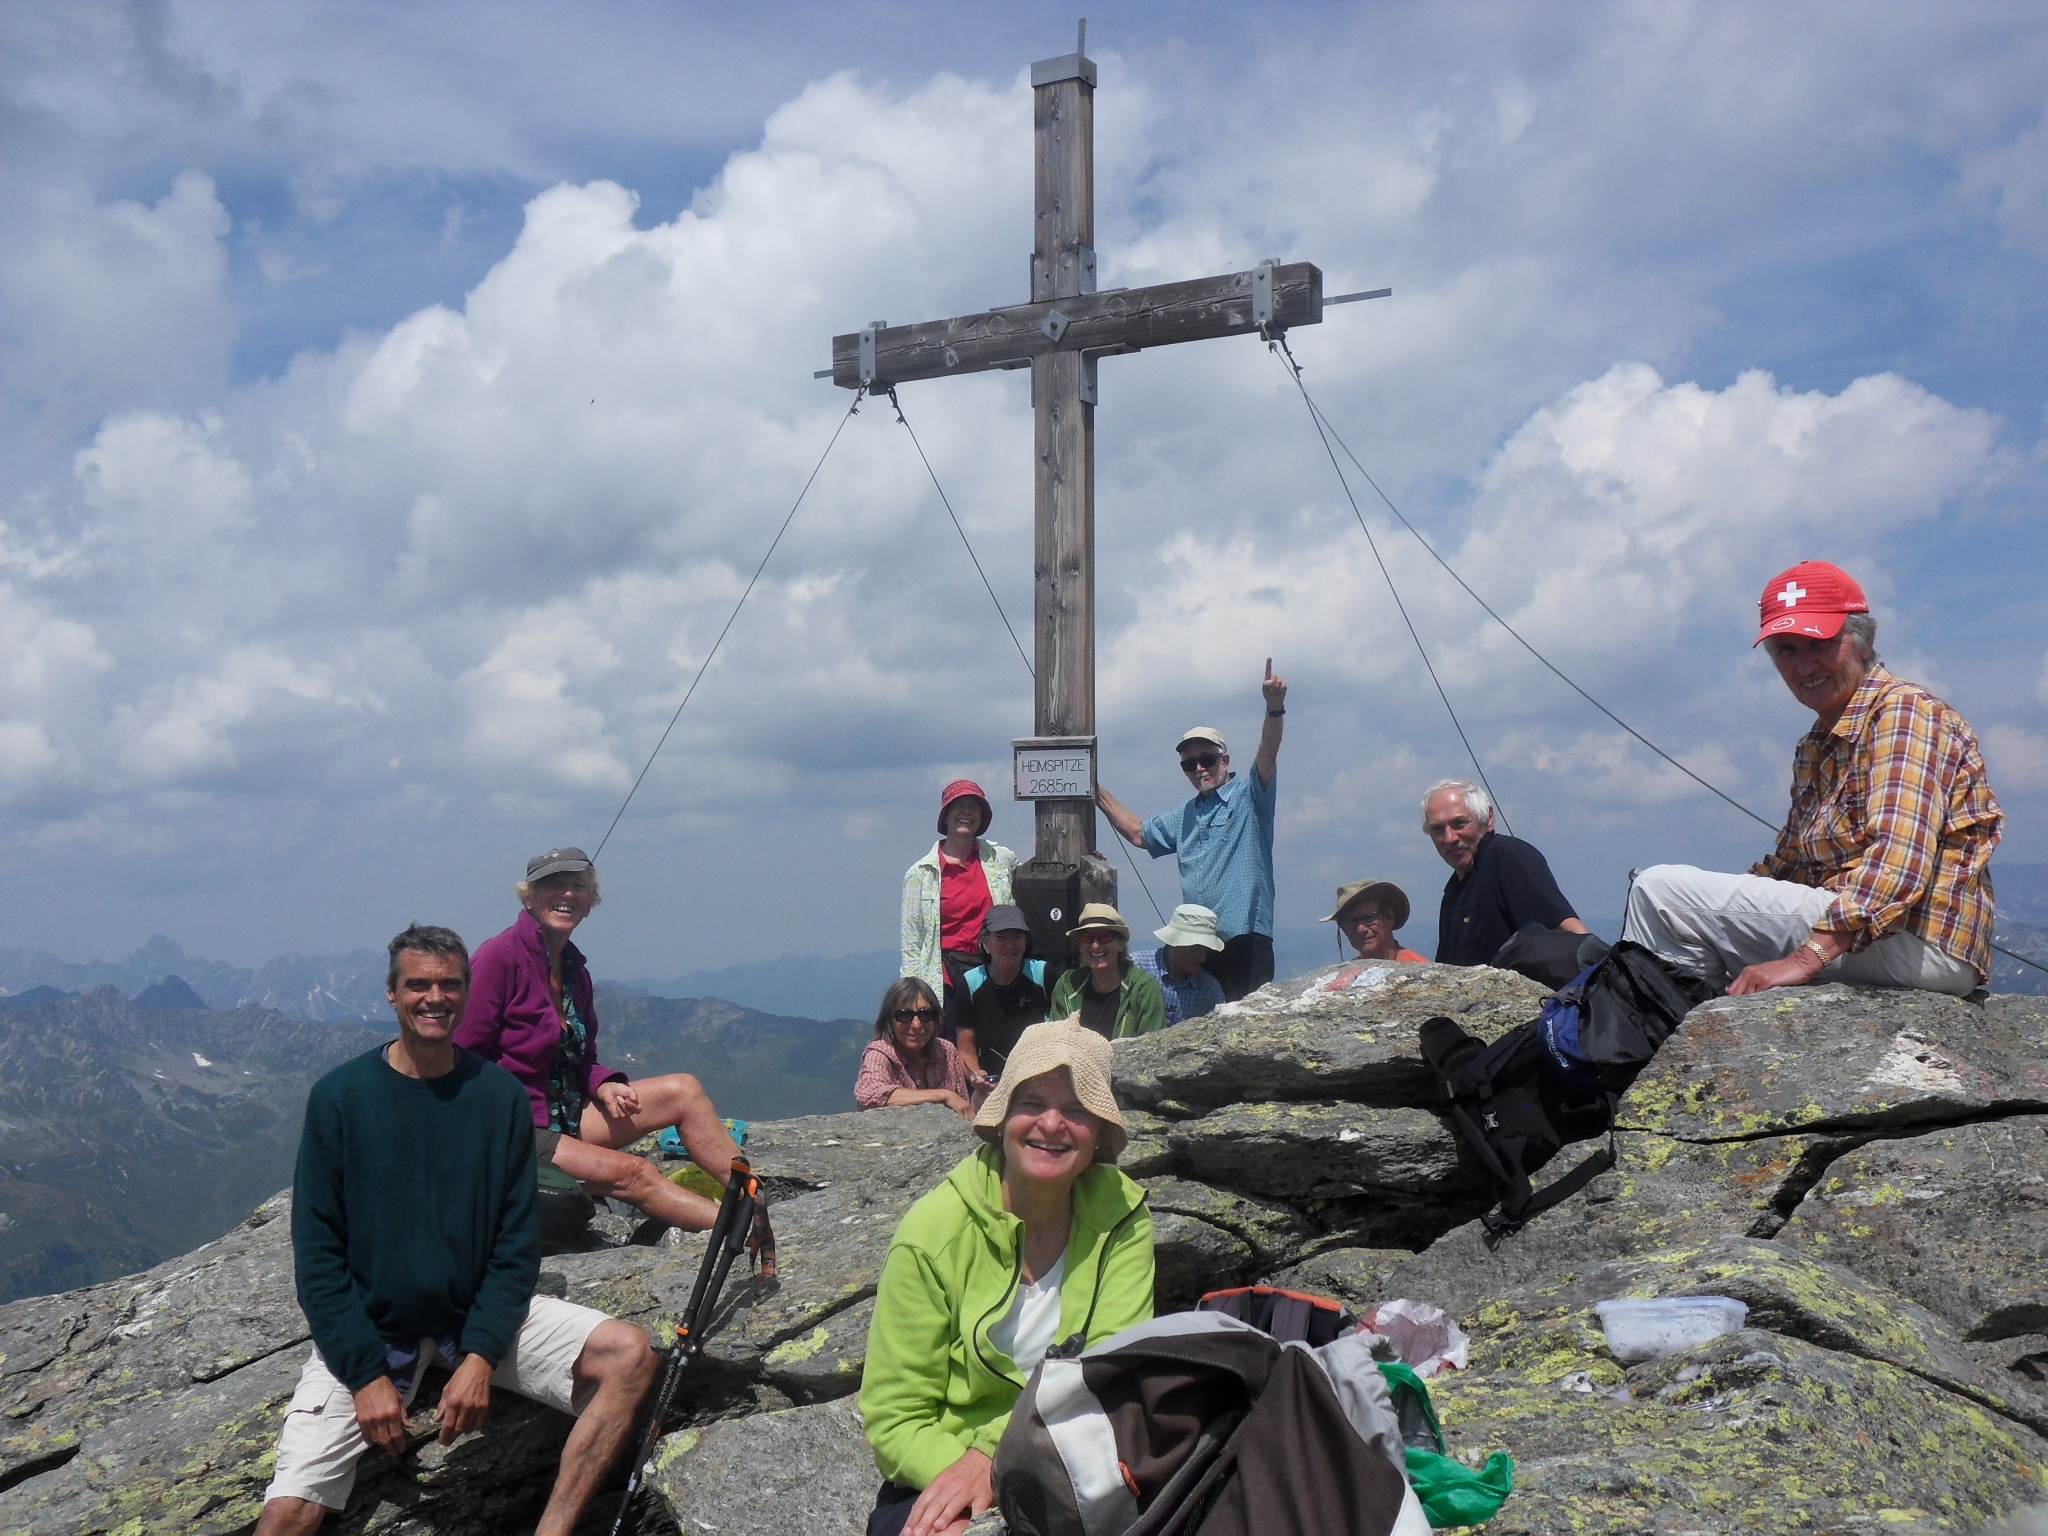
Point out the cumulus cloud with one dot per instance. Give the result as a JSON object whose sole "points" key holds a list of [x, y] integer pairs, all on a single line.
{"points": [[1650, 505], [2012, 179], [448, 577], [106, 305]]}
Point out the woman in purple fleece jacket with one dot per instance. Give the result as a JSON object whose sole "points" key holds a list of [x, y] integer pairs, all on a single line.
{"points": [[531, 1011]]}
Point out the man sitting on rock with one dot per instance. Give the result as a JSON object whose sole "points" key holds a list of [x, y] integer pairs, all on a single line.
{"points": [[417, 1243], [1498, 883], [1369, 913], [1881, 873], [1186, 944]]}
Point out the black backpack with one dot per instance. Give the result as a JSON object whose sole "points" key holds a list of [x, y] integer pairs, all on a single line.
{"points": [[1559, 1078], [565, 1210], [1551, 956]]}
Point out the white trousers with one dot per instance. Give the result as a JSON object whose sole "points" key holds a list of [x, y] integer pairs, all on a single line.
{"points": [[1718, 924], [321, 1443]]}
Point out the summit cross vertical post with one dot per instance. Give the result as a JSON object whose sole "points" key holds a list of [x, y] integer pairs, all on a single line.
{"points": [[1059, 334]]}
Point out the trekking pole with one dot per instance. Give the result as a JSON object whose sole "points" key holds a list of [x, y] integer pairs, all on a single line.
{"points": [[728, 1238]]}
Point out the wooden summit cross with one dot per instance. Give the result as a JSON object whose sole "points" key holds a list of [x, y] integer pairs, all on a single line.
{"points": [[1059, 334]]}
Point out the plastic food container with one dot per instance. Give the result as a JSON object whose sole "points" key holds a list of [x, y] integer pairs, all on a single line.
{"points": [[1643, 1330]]}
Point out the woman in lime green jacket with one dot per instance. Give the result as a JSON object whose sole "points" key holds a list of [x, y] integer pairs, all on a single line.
{"points": [[1106, 992], [1033, 1241]]}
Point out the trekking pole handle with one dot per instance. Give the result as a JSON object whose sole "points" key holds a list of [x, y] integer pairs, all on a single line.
{"points": [[739, 1189]]}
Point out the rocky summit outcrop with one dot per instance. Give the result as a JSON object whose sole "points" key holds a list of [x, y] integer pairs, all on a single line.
{"points": [[1867, 1171]]}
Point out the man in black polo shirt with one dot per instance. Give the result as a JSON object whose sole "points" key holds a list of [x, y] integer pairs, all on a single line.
{"points": [[1497, 884]]}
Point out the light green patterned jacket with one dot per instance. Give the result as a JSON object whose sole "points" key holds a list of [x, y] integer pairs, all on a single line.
{"points": [[921, 908]]}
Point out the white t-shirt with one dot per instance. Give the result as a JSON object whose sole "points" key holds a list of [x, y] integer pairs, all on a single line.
{"points": [[1032, 1325]]}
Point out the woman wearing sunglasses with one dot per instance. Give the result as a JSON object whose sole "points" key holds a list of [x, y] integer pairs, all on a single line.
{"points": [[907, 1062], [1106, 991]]}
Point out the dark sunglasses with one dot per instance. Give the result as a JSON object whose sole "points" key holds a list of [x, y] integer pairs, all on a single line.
{"points": [[905, 1015], [1202, 760]]}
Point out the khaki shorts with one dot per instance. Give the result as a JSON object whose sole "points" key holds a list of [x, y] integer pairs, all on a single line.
{"points": [[320, 1445]]}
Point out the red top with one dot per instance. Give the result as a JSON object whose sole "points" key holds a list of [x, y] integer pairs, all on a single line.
{"points": [[964, 901]]}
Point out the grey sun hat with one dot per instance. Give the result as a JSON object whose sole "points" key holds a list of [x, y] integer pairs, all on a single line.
{"points": [[1047, 1047], [1190, 924], [1005, 920], [1379, 890], [559, 861]]}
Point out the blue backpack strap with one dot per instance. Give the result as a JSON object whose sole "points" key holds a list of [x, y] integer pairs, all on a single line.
{"points": [[973, 979], [1035, 969]]}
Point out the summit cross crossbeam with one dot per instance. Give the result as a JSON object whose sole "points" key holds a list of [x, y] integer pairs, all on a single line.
{"points": [[1059, 334]]}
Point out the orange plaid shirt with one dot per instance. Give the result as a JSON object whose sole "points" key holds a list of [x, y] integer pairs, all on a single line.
{"points": [[1892, 812]]}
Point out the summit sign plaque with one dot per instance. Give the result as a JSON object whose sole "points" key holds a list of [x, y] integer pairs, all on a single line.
{"points": [[1054, 767]]}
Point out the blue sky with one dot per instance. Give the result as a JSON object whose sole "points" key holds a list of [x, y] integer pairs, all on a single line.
{"points": [[395, 398]]}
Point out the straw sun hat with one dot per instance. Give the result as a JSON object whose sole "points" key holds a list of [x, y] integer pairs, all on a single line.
{"points": [[1045, 1048]]}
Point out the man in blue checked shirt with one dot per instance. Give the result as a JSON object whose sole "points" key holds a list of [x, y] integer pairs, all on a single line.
{"points": [[1186, 944], [1224, 837]]}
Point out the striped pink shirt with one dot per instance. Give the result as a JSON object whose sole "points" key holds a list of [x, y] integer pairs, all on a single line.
{"points": [[882, 1072]]}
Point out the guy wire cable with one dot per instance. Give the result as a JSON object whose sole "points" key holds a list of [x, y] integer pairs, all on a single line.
{"points": [[1029, 670], [1323, 423], [1277, 344], [851, 411], [947, 502], [1504, 624]]}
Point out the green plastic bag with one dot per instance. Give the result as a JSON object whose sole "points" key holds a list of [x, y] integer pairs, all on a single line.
{"points": [[1450, 1492]]}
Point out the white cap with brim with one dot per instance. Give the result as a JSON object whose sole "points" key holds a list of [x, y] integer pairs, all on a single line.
{"points": [[1207, 733], [1190, 924]]}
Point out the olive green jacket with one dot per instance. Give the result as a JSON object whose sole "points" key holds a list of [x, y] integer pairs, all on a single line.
{"points": [[935, 1387], [1140, 1010]]}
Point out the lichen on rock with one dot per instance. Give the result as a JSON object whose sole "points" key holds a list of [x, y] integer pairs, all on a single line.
{"points": [[1864, 1169]]}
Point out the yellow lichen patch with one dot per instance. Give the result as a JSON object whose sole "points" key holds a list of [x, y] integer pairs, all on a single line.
{"points": [[797, 1350], [675, 1447]]}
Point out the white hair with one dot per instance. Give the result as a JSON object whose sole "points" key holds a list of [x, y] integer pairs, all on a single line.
{"points": [[524, 888], [1477, 800], [1862, 628]]}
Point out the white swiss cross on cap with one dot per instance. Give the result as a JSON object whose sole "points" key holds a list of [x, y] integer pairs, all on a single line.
{"points": [[1809, 600]]}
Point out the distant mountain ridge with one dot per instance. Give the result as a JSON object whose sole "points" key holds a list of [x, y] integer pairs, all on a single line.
{"points": [[129, 1134], [324, 988], [349, 988]]}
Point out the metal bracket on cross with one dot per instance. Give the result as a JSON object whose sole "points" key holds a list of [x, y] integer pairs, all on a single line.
{"points": [[868, 333], [1262, 297]]}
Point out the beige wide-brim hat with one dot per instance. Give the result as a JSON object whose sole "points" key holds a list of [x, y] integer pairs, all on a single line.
{"points": [[1190, 925], [1099, 914], [1379, 890], [1046, 1048]]}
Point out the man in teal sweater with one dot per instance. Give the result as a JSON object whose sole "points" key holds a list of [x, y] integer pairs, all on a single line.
{"points": [[417, 1243]]}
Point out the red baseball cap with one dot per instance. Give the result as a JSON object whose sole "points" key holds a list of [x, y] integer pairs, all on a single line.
{"points": [[1810, 599], [961, 789]]}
